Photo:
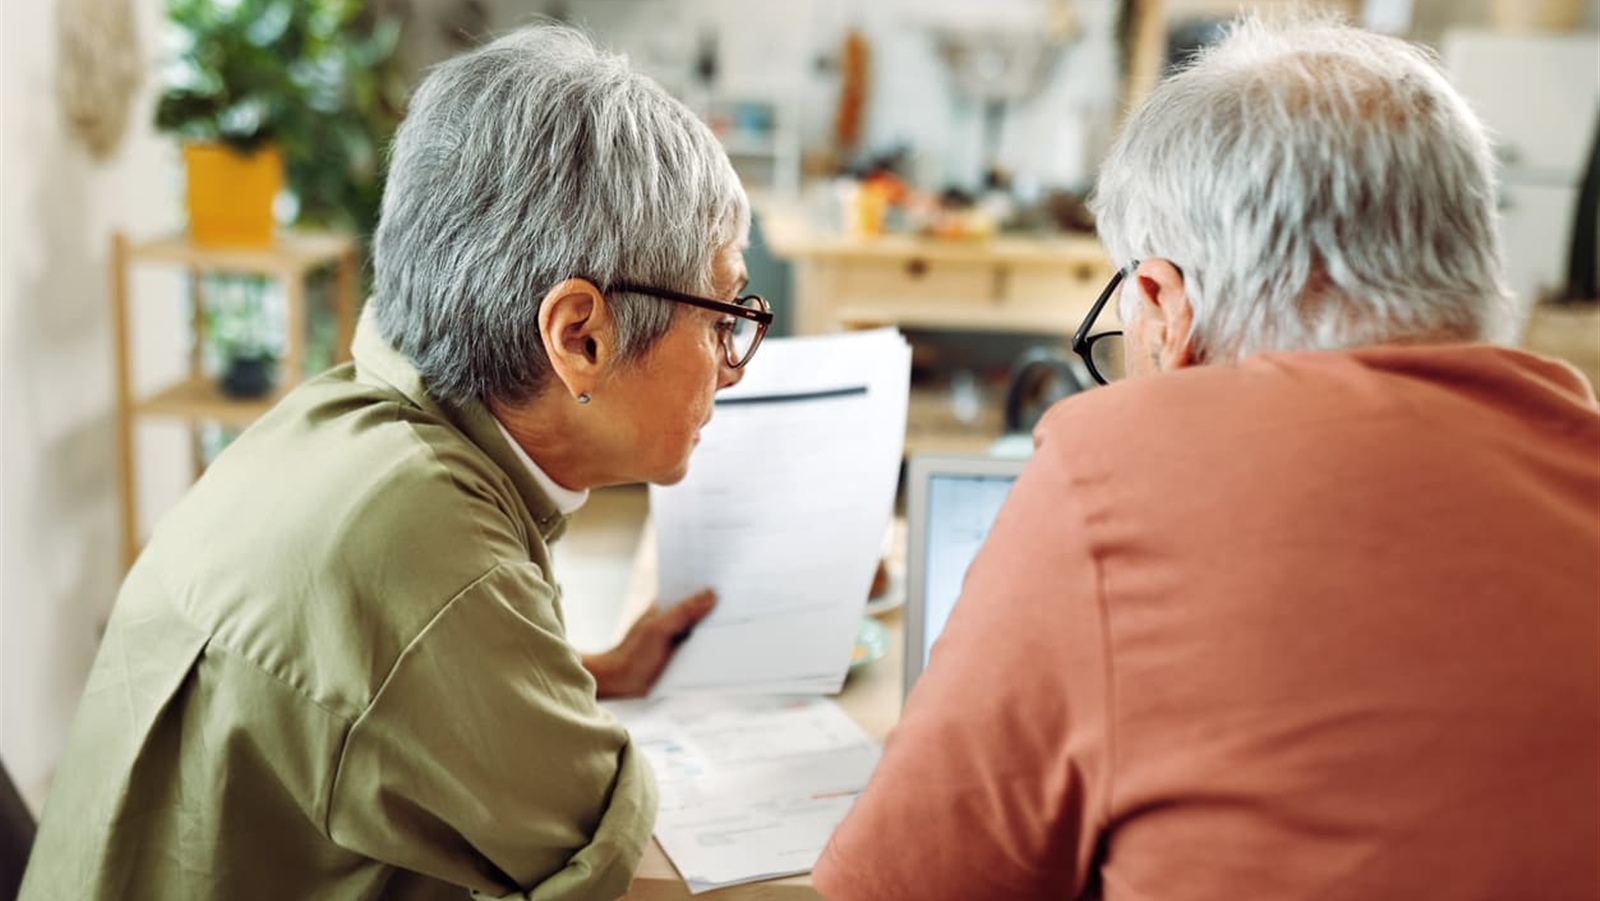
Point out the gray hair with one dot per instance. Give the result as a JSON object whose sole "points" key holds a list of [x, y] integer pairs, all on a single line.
{"points": [[534, 159], [1321, 187]]}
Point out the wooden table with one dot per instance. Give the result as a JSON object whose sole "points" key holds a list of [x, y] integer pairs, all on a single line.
{"points": [[871, 696]]}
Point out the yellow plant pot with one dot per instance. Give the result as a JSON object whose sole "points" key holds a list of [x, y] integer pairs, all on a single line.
{"points": [[229, 194]]}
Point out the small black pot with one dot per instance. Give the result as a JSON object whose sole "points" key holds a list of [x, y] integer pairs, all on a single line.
{"points": [[250, 375]]}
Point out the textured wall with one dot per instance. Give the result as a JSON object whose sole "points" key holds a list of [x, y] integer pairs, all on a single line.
{"points": [[58, 550]]}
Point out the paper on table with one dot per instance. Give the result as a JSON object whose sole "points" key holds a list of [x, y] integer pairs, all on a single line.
{"points": [[751, 787], [783, 513]]}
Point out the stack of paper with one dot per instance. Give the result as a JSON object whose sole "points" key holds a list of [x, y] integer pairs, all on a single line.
{"points": [[783, 514], [751, 788]]}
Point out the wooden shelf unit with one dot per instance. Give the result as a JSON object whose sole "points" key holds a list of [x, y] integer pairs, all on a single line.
{"points": [[200, 399], [196, 397]]}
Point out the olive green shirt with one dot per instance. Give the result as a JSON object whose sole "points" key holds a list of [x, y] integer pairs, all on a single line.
{"points": [[339, 671]]}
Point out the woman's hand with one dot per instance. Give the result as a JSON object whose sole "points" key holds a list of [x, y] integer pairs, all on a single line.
{"points": [[632, 667]]}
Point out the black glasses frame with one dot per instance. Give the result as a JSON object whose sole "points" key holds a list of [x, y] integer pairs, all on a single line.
{"points": [[1082, 342], [760, 314]]}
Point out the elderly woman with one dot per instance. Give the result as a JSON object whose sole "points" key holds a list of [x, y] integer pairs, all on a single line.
{"points": [[339, 670], [1307, 605]]}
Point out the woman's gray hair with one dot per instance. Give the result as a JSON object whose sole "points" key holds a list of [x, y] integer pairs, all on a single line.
{"points": [[534, 159], [1321, 187]]}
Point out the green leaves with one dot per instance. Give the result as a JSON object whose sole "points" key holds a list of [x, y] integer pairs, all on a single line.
{"points": [[315, 77]]}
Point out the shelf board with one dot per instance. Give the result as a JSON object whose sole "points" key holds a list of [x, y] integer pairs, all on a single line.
{"points": [[1000, 318], [199, 398], [933, 427], [290, 253], [953, 443], [1051, 251]]}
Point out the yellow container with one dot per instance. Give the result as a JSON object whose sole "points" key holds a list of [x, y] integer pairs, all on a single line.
{"points": [[229, 194]]}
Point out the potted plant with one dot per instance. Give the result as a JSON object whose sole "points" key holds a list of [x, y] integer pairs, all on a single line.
{"points": [[302, 92], [244, 337]]}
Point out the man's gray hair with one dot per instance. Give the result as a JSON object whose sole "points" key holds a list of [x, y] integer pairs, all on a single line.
{"points": [[1321, 187], [534, 159]]}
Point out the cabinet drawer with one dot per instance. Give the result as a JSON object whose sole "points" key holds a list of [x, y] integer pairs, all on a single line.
{"points": [[912, 283], [916, 291], [1063, 293]]}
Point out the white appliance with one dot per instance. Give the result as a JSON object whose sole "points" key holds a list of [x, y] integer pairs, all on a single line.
{"points": [[1540, 94]]}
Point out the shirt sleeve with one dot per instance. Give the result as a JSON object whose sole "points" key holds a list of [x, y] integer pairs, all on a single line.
{"points": [[994, 783], [485, 762]]}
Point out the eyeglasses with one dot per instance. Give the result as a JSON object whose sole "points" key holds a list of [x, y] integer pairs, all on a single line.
{"points": [[741, 336], [1103, 352]]}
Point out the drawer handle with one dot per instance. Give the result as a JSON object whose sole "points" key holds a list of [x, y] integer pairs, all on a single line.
{"points": [[1002, 283], [916, 267], [1083, 272]]}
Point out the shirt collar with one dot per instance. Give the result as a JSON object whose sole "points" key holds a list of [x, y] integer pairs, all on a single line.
{"points": [[379, 363], [565, 499]]}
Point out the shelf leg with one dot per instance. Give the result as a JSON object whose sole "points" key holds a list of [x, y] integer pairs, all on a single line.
{"points": [[294, 287], [344, 305], [197, 328], [125, 466]]}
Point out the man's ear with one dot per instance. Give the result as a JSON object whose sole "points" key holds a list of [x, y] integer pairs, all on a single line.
{"points": [[1166, 306], [575, 326]]}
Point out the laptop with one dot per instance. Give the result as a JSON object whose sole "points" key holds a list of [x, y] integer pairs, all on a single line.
{"points": [[951, 501]]}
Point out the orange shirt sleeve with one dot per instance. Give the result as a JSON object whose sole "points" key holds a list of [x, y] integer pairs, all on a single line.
{"points": [[995, 783]]}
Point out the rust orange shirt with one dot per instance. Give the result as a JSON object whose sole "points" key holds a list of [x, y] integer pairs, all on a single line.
{"points": [[1312, 626]]}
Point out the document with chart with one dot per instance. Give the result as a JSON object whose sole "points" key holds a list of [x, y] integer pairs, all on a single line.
{"points": [[751, 787], [783, 513]]}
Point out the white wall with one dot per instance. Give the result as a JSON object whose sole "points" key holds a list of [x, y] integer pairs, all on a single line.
{"points": [[59, 565]]}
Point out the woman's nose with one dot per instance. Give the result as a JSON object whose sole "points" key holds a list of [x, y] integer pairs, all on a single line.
{"points": [[729, 376]]}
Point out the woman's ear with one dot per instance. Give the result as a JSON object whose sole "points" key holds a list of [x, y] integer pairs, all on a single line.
{"points": [[575, 326], [1170, 341]]}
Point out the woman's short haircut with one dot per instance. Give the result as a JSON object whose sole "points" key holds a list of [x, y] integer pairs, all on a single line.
{"points": [[534, 159], [1321, 187]]}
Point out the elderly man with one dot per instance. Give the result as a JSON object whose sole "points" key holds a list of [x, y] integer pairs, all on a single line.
{"points": [[338, 670], [1309, 605]]}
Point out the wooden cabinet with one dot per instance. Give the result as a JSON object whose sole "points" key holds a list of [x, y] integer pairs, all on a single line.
{"points": [[1016, 285], [1006, 284], [196, 397]]}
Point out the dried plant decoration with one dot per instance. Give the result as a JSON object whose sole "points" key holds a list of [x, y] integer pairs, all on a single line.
{"points": [[98, 70]]}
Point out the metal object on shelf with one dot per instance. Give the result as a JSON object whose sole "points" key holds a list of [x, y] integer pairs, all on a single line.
{"points": [[1039, 378]]}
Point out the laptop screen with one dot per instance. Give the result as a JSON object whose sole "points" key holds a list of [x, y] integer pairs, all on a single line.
{"points": [[950, 505]]}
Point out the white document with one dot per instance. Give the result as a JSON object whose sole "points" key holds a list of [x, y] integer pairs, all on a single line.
{"points": [[783, 514], [751, 787]]}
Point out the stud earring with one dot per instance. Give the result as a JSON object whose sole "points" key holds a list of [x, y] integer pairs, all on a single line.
{"points": [[583, 398]]}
